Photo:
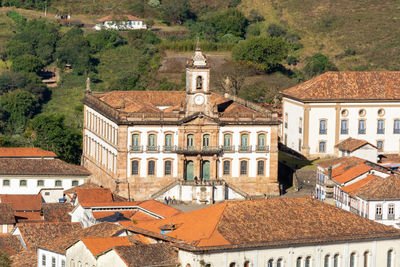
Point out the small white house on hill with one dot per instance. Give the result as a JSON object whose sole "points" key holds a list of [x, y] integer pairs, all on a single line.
{"points": [[120, 22]]}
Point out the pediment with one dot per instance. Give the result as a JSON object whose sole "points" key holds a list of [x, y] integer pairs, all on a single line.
{"points": [[199, 119]]}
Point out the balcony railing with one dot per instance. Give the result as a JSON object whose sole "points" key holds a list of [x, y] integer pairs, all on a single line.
{"points": [[344, 131], [262, 148], [136, 149], [390, 216], [153, 148], [199, 149], [378, 216], [228, 149], [244, 148], [380, 131]]}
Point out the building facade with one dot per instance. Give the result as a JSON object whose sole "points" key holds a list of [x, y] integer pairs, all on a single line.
{"points": [[138, 143], [323, 111], [120, 22]]}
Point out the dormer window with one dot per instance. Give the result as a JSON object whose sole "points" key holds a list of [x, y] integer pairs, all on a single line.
{"points": [[199, 82]]}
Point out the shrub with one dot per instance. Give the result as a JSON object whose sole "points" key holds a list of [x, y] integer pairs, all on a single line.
{"points": [[275, 30], [318, 64]]}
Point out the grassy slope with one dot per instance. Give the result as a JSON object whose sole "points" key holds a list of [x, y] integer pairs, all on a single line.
{"points": [[369, 27]]}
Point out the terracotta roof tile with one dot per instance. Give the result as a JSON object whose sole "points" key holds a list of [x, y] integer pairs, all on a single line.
{"points": [[161, 254], [12, 166], [261, 222], [102, 214], [357, 185], [140, 216], [10, 244], [380, 189], [6, 213], [39, 234], [351, 144], [25, 152], [98, 245], [94, 195], [104, 229], [23, 202], [110, 204], [28, 216], [348, 86], [159, 208], [56, 212], [26, 258]]}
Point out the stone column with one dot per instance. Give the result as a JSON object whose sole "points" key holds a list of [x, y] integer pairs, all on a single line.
{"points": [[273, 155], [305, 149], [337, 126], [122, 158]]}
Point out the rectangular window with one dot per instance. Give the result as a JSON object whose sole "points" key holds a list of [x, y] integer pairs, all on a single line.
{"points": [[40, 183], [379, 144], [344, 127], [53, 262], [391, 212], [6, 182], [151, 167], [244, 145], [135, 142], [260, 167], [299, 144], [168, 142], [58, 183], [322, 127], [75, 183], [62, 263], [243, 167], [22, 183], [396, 127], [378, 212], [135, 167], [361, 127], [381, 127], [167, 167], [300, 125], [286, 120], [43, 260], [322, 147], [227, 167]]}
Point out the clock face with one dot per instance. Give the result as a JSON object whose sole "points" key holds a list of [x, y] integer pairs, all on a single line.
{"points": [[199, 99]]}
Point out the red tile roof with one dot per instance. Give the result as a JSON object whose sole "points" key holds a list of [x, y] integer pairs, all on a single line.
{"points": [[6, 213], [26, 258], [357, 185], [10, 244], [98, 245], [101, 214], [30, 216], [94, 195], [110, 204], [12, 166], [56, 212], [25, 152], [159, 208], [351, 144], [380, 189], [347, 86], [253, 223], [23, 202], [119, 18]]}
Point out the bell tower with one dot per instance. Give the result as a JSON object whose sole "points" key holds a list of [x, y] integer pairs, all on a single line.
{"points": [[198, 84]]}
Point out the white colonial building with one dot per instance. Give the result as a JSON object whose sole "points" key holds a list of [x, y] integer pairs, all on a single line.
{"points": [[30, 171], [194, 145], [323, 111], [120, 22]]}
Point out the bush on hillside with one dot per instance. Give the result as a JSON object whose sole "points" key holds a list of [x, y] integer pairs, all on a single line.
{"points": [[318, 64], [274, 30]]}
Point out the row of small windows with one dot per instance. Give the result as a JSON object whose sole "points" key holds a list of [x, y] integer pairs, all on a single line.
{"points": [[168, 142], [362, 112], [57, 183], [322, 146], [53, 261], [100, 154], [101, 127], [344, 126], [378, 212], [151, 167]]}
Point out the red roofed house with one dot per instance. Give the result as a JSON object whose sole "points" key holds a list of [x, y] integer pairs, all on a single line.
{"points": [[194, 145], [351, 147], [334, 106], [31, 171], [120, 22]]}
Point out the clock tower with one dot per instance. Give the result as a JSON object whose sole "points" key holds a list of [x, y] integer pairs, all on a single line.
{"points": [[198, 84]]}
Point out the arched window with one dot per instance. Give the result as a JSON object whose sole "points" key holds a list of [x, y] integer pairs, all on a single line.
{"points": [[206, 140], [152, 142], [227, 167], [167, 167], [322, 127], [227, 142], [151, 167], [298, 262], [261, 142], [366, 259], [22, 183], [232, 264], [135, 142], [135, 167], [199, 82], [168, 142], [336, 260], [270, 263], [244, 142], [6, 182], [190, 141], [326, 260], [308, 261], [40, 183], [389, 262], [75, 183], [246, 264], [279, 263], [260, 167], [352, 259], [243, 167], [58, 183]]}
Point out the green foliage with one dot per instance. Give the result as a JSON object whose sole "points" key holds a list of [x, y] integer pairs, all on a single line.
{"points": [[27, 63], [230, 21], [234, 3], [17, 18], [176, 11], [190, 45], [73, 48], [274, 30], [230, 38], [292, 60], [260, 93], [266, 51], [104, 39], [318, 64], [27, 4], [51, 133], [255, 16], [349, 52], [145, 36], [37, 38], [11, 81], [154, 3], [253, 30], [17, 107], [4, 258]]}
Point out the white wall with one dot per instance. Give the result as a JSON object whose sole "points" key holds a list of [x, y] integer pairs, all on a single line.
{"points": [[121, 25], [366, 152], [59, 258], [295, 111], [385, 210], [259, 258], [78, 253], [110, 258]]}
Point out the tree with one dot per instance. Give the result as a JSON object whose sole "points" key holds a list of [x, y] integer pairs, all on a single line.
{"points": [[17, 107], [104, 39], [266, 51], [73, 48], [230, 21], [318, 64], [51, 133], [176, 11], [27, 63], [275, 30]]}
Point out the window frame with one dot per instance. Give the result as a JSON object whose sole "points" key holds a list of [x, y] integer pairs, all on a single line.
{"points": [[39, 183], [170, 167], [170, 147], [205, 140], [396, 130], [323, 128], [138, 167], [56, 182], [344, 130], [154, 169], [151, 147], [23, 183], [262, 147], [319, 146], [364, 129], [227, 147], [263, 161], [230, 167], [380, 127], [135, 148], [5, 182], [246, 173], [74, 182], [190, 137], [380, 147], [244, 148]]}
